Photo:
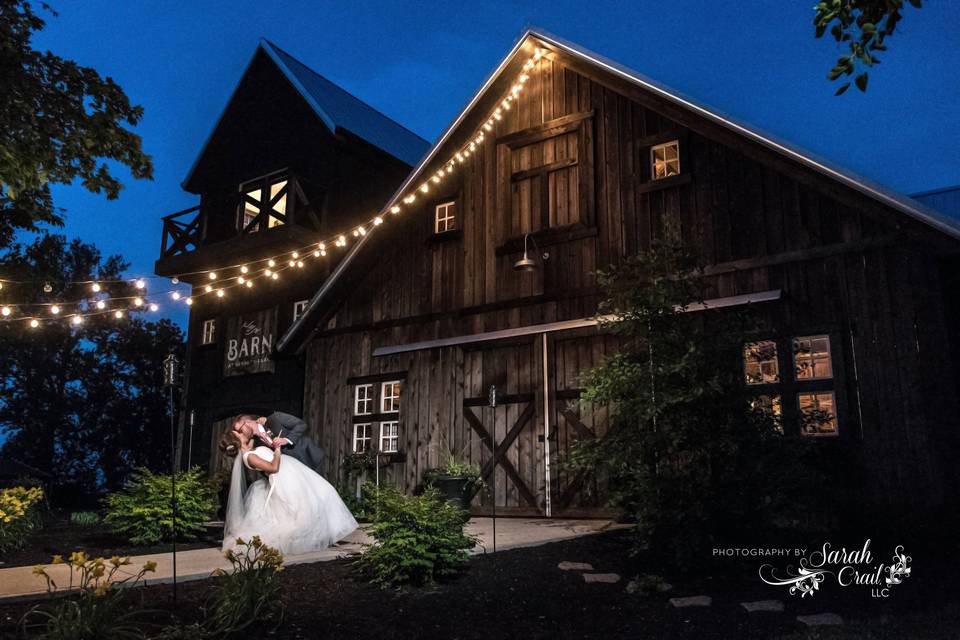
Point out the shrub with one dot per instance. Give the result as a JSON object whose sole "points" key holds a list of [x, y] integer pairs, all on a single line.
{"points": [[250, 592], [84, 518], [19, 515], [359, 507], [142, 510], [97, 610], [418, 538]]}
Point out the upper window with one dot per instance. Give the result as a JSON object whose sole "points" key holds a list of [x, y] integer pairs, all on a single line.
{"points": [[811, 358], [760, 362], [209, 335], [390, 397], [363, 400], [298, 308], [665, 160], [263, 201], [445, 217], [817, 413]]}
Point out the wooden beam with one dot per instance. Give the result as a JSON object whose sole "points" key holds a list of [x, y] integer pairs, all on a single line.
{"points": [[549, 129]]}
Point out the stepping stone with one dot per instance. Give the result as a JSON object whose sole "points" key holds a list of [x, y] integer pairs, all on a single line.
{"points": [[820, 619], [609, 578], [575, 566], [763, 605], [692, 601]]}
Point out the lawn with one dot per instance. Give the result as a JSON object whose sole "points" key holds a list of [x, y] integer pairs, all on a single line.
{"points": [[522, 593]]}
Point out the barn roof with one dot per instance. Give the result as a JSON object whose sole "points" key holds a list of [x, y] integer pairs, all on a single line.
{"points": [[488, 92], [338, 109]]}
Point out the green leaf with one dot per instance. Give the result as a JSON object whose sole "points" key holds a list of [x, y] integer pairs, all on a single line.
{"points": [[862, 82], [842, 89]]}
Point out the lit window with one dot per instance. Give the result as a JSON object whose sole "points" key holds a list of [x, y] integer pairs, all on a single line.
{"points": [[298, 308], [772, 407], [445, 217], [390, 397], [389, 437], [253, 203], [811, 358], [250, 210], [363, 400], [818, 413], [209, 335], [665, 160], [277, 202], [760, 362], [362, 437]]}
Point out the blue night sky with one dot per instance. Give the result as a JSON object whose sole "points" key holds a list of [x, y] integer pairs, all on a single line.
{"points": [[420, 63]]}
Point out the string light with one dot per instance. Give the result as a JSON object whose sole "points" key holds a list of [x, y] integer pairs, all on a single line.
{"points": [[55, 310], [244, 269], [6, 311], [101, 304], [34, 324], [175, 295], [220, 293], [154, 307], [95, 287], [77, 320], [189, 301], [138, 302], [140, 284], [118, 314]]}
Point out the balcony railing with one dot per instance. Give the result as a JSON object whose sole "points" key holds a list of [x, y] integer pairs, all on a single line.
{"points": [[279, 202]]}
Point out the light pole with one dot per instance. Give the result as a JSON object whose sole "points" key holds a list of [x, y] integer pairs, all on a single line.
{"points": [[171, 379]]}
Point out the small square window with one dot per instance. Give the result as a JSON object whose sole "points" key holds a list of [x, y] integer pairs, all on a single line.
{"points": [[811, 358], [362, 437], [390, 397], [389, 437], [363, 400], [665, 160], [760, 362], [209, 335], [817, 413], [445, 217], [298, 308], [772, 407]]}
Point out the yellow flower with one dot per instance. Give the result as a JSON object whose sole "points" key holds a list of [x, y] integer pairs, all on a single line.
{"points": [[101, 589], [115, 561], [57, 559], [150, 566], [240, 541], [97, 571], [219, 572], [256, 542], [39, 570]]}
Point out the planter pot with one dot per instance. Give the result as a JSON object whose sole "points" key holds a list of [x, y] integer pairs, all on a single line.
{"points": [[455, 490]]}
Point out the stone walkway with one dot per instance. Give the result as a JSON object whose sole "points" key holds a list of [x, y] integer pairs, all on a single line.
{"points": [[20, 582]]}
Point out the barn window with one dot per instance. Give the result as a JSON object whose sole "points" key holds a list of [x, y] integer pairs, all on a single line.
{"points": [[362, 437], [209, 335], [445, 217], [363, 400], [390, 437], [760, 362], [811, 358], [298, 308], [267, 197], [771, 406], [818, 413], [390, 396], [665, 160]]}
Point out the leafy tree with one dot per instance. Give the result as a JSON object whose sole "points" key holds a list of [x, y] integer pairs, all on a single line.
{"points": [[85, 404], [864, 25], [686, 456], [59, 122]]}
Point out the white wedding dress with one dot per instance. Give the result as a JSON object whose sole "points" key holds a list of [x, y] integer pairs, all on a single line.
{"points": [[294, 510]]}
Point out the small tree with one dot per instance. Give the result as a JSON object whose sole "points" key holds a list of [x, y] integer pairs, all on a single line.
{"points": [[687, 457]]}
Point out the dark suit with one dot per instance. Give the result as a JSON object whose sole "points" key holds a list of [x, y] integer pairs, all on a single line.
{"points": [[303, 448]]}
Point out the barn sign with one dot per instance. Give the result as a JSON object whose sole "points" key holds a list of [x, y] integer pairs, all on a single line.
{"points": [[249, 343]]}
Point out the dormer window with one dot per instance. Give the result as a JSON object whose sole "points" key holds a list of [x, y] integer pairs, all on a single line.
{"points": [[263, 202], [665, 160], [445, 217]]}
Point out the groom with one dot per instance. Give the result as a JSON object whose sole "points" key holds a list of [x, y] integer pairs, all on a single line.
{"points": [[295, 441]]}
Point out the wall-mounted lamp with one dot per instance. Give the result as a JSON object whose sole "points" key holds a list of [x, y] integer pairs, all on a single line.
{"points": [[528, 263]]}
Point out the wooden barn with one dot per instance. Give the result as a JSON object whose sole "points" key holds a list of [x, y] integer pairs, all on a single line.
{"points": [[481, 277]]}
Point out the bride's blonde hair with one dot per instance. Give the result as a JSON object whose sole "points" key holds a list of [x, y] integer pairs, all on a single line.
{"points": [[230, 443]]}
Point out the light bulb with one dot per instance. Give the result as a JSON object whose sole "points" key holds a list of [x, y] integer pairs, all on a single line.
{"points": [[101, 304], [241, 279], [244, 269], [267, 272], [378, 220], [220, 293], [271, 263], [34, 324], [316, 254], [175, 295], [294, 255], [189, 301], [175, 280], [6, 311], [299, 264], [77, 320], [140, 284], [249, 284], [138, 302], [1, 285], [321, 246], [208, 288], [275, 276], [362, 231], [118, 314], [47, 287], [293, 263], [95, 287], [212, 275], [323, 253], [55, 310], [395, 209], [154, 307]]}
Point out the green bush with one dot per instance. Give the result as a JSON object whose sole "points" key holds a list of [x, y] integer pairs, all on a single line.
{"points": [[359, 507], [19, 515], [98, 609], [142, 510], [84, 518], [418, 538], [250, 592]]}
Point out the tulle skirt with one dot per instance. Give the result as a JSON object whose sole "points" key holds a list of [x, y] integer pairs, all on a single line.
{"points": [[303, 513]]}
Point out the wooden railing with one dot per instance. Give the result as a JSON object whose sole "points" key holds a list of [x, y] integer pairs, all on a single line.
{"points": [[184, 231]]}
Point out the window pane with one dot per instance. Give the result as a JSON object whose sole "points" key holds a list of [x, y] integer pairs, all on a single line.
{"points": [[811, 357], [760, 364], [665, 160], [363, 400], [771, 406], [280, 206], [250, 210], [818, 414]]}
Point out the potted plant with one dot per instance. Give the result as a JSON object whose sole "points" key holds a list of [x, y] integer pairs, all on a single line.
{"points": [[458, 481]]}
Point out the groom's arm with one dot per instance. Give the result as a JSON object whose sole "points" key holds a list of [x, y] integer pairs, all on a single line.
{"points": [[294, 429]]}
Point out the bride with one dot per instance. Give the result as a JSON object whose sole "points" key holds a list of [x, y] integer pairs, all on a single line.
{"points": [[292, 509]]}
